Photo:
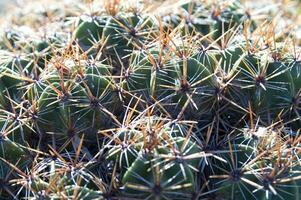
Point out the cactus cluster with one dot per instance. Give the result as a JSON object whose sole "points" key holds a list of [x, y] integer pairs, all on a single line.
{"points": [[151, 99]]}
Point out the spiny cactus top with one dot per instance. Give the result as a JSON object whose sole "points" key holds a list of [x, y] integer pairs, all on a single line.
{"points": [[112, 99]]}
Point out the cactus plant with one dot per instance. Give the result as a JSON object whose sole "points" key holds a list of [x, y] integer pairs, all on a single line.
{"points": [[150, 99]]}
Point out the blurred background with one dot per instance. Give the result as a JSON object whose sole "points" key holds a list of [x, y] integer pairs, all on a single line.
{"points": [[5, 3]]}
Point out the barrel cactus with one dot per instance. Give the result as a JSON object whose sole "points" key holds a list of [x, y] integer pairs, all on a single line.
{"points": [[115, 99]]}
